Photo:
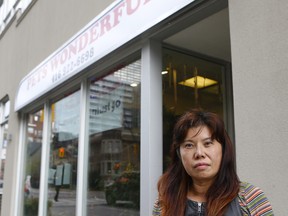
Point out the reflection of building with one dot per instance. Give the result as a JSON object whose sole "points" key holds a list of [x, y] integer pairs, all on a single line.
{"points": [[114, 151], [111, 150], [35, 128], [114, 123], [112, 99]]}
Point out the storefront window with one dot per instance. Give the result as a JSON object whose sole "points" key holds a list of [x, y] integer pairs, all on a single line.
{"points": [[114, 137], [188, 82], [4, 115], [32, 173], [4, 139], [63, 157]]}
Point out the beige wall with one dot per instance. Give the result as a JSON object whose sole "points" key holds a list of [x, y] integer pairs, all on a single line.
{"points": [[259, 46], [22, 47]]}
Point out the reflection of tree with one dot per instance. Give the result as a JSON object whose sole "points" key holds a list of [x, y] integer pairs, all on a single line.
{"points": [[33, 162], [95, 181], [169, 119]]}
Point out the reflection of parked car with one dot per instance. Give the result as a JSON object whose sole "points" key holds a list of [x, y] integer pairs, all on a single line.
{"points": [[125, 188]]}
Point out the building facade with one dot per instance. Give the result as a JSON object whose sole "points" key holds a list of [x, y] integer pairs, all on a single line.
{"points": [[90, 91]]}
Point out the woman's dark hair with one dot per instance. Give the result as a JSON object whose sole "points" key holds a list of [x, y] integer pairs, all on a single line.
{"points": [[174, 183]]}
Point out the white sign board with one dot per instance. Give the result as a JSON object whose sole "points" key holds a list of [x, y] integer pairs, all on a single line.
{"points": [[59, 175], [119, 23], [67, 174]]}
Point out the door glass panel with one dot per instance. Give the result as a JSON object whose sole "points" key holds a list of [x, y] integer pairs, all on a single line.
{"points": [[33, 163], [5, 140], [63, 157], [188, 82], [114, 143]]}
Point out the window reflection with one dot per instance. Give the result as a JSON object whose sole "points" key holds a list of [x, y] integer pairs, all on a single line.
{"points": [[114, 137], [31, 179], [63, 155], [4, 139]]}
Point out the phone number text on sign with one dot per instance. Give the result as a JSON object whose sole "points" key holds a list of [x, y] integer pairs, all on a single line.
{"points": [[72, 65]]}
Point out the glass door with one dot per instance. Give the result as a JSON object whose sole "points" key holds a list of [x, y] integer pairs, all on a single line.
{"points": [[188, 82]]}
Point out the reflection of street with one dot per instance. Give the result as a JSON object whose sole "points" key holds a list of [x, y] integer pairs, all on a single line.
{"points": [[96, 205], [104, 210]]}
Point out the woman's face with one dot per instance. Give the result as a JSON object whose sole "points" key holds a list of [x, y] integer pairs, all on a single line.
{"points": [[201, 156]]}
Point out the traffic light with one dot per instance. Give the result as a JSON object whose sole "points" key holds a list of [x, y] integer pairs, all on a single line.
{"points": [[61, 152]]}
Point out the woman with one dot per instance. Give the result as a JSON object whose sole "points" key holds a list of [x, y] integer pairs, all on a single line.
{"points": [[202, 179]]}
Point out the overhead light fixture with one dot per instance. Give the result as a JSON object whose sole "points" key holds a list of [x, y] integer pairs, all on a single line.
{"points": [[198, 82], [165, 70], [133, 84], [36, 118]]}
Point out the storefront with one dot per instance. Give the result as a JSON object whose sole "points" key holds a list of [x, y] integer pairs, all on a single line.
{"points": [[95, 116], [101, 101]]}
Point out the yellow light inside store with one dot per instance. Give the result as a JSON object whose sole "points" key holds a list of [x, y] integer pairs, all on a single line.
{"points": [[198, 81]]}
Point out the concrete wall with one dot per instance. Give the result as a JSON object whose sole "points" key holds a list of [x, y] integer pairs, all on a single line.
{"points": [[259, 45], [22, 47]]}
